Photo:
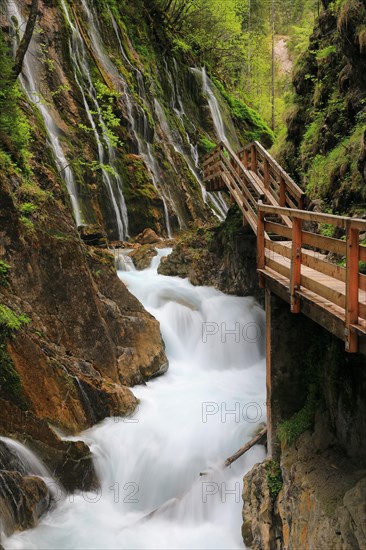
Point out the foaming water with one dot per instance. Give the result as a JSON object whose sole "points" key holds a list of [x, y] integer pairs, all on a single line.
{"points": [[188, 422]]}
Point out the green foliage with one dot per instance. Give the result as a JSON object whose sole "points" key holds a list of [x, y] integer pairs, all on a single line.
{"points": [[325, 52], [180, 46], [107, 99], [10, 322], [340, 166], [274, 478]]}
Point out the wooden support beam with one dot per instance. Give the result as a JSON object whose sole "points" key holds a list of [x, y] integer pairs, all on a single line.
{"points": [[267, 298], [282, 192], [261, 258], [246, 158], [295, 265], [352, 270], [254, 160], [266, 174]]}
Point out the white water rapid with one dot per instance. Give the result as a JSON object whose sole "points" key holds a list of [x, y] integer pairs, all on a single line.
{"points": [[189, 421]]}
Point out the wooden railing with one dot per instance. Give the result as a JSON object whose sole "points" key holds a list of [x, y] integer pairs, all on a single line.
{"points": [[307, 269], [250, 176], [223, 171], [301, 260], [280, 186]]}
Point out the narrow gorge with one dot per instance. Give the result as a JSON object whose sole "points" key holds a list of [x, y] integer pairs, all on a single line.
{"points": [[139, 348]]}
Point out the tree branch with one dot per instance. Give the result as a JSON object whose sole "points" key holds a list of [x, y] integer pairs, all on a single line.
{"points": [[25, 41]]}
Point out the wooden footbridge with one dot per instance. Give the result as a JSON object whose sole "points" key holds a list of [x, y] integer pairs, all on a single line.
{"points": [[317, 274]]}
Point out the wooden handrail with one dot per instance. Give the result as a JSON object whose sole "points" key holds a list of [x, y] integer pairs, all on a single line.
{"points": [[317, 217], [287, 252], [336, 284]]}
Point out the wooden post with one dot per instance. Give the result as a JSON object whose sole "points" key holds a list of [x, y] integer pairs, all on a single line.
{"points": [[268, 372], [261, 258], [246, 159], [254, 164], [266, 173], [295, 265], [352, 285], [301, 202], [282, 192]]}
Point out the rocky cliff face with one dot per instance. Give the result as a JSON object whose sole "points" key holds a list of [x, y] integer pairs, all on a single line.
{"points": [[126, 111], [312, 493], [325, 124], [223, 256]]}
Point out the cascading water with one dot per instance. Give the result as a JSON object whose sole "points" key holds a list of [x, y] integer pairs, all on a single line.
{"points": [[188, 422], [142, 132], [214, 107], [217, 204], [106, 153], [29, 80], [31, 464]]}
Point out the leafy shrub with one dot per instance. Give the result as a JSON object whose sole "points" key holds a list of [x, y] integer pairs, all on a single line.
{"points": [[274, 478], [10, 322], [4, 273]]}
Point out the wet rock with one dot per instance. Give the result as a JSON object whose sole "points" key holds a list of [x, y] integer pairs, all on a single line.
{"points": [[69, 461], [257, 528], [148, 236], [93, 235], [23, 500], [143, 255], [321, 503], [224, 257]]}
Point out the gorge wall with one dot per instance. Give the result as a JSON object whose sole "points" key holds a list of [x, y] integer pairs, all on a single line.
{"points": [[325, 145], [104, 132]]}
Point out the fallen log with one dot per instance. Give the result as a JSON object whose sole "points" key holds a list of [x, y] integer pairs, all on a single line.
{"points": [[246, 447]]}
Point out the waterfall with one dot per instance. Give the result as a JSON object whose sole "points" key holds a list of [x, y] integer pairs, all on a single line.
{"points": [[208, 404], [214, 107], [142, 132], [106, 153], [122, 260], [216, 203], [29, 83], [31, 464]]}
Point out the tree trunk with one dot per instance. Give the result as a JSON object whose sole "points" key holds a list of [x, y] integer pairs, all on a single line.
{"points": [[25, 41]]}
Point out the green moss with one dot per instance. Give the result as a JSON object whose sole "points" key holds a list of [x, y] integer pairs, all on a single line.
{"points": [[274, 478], [315, 361], [232, 225], [15, 130], [4, 273], [27, 208], [337, 171], [290, 430], [205, 145], [27, 224], [10, 384], [248, 119]]}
